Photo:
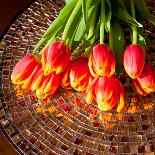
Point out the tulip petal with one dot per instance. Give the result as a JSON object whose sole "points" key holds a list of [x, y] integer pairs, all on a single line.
{"points": [[65, 83], [101, 61], [138, 87], [29, 80], [40, 93], [107, 94], [79, 74], [107, 91], [53, 56], [147, 78], [91, 91], [92, 69], [38, 80], [52, 83], [24, 68], [121, 98], [133, 60]]}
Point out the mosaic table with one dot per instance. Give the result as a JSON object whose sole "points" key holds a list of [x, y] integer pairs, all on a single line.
{"points": [[63, 123]]}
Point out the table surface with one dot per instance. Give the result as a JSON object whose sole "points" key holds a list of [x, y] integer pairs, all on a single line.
{"points": [[8, 10]]}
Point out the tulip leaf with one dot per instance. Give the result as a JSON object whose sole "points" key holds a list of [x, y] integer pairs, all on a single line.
{"points": [[108, 14], [143, 9], [67, 1], [60, 21], [116, 41], [73, 27], [120, 11], [80, 30], [85, 8], [51, 40], [93, 38], [141, 39], [84, 27], [86, 43]]}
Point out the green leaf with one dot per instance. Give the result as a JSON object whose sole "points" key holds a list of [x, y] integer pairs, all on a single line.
{"points": [[119, 10], [141, 40], [51, 40], [108, 14], [93, 9], [143, 9], [80, 30], [86, 43], [60, 21], [85, 8], [83, 27], [62, 18], [67, 1], [140, 37], [73, 27], [116, 41]]}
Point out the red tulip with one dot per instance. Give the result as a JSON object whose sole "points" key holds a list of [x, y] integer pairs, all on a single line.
{"points": [[101, 61], [28, 82], [24, 68], [77, 75], [47, 85], [66, 77], [38, 80], [139, 88], [56, 58], [107, 92], [145, 83], [133, 60]]}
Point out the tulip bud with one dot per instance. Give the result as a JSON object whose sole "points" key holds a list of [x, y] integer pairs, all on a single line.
{"points": [[48, 85], [56, 58], [24, 68], [38, 80], [133, 60], [107, 92], [66, 77], [139, 88], [145, 83], [28, 82], [77, 75], [101, 61]]}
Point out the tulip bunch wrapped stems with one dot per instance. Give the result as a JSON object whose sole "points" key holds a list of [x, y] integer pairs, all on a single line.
{"points": [[85, 49]]}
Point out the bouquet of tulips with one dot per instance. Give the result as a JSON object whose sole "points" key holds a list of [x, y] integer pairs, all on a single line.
{"points": [[83, 49]]}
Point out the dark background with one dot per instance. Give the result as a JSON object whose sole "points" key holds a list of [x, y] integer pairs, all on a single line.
{"points": [[8, 10]]}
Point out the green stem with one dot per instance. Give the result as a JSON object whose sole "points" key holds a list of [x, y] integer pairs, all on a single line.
{"points": [[134, 35], [102, 25], [91, 32], [70, 20]]}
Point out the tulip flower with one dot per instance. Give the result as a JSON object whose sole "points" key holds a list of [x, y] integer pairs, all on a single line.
{"points": [[66, 77], [55, 58], [38, 80], [77, 75], [139, 88], [107, 92], [145, 83], [47, 85], [28, 82], [133, 60], [24, 68], [101, 61]]}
